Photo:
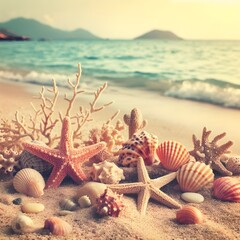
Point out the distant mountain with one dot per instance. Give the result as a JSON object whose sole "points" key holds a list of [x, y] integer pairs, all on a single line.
{"points": [[161, 35], [37, 30]]}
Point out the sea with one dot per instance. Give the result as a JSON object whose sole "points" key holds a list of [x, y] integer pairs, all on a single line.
{"points": [[205, 71]]}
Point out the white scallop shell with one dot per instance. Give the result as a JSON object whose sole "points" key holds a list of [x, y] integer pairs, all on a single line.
{"points": [[193, 176], [29, 182], [106, 172], [22, 224]]}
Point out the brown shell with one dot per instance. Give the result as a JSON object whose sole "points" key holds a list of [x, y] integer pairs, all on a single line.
{"points": [[142, 144], [189, 215], [233, 165]]}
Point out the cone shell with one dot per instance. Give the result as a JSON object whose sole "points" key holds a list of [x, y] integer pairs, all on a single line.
{"points": [[172, 155], [57, 226], [189, 215], [227, 188], [29, 182], [193, 176]]}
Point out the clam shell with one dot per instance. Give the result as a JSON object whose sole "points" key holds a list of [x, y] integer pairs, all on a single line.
{"points": [[93, 190], [22, 224], [227, 188], [189, 215], [172, 155], [29, 182], [57, 226], [193, 176]]}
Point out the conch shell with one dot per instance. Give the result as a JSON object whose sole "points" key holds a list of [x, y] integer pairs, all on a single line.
{"points": [[107, 172], [29, 182]]}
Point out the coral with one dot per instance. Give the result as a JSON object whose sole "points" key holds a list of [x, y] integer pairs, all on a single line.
{"points": [[210, 152], [134, 121], [8, 159]]}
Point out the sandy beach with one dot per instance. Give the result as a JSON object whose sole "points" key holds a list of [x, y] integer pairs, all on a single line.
{"points": [[168, 119]]}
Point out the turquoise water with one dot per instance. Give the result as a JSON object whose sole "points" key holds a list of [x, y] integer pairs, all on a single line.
{"points": [[206, 71]]}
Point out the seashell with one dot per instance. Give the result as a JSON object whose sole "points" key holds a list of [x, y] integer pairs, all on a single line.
{"points": [[64, 213], [227, 188], [189, 215], [84, 201], [109, 204], [93, 190], [29, 182], [67, 204], [233, 165], [193, 176], [106, 172], [32, 207], [142, 144], [28, 160], [192, 197], [172, 155], [57, 226], [22, 224], [6, 199]]}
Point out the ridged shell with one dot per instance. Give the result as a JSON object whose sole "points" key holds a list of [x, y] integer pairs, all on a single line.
{"points": [[233, 165], [106, 172], [29, 182], [28, 160], [22, 224], [142, 144], [227, 188], [172, 155], [193, 176], [93, 190], [57, 226], [68, 204], [189, 215]]}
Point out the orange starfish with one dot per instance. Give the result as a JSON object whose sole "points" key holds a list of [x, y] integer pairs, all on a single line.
{"points": [[66, 160]]}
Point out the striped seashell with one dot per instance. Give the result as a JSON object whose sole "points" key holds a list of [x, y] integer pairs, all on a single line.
{"points": [[172, 155], [29, 182], [57, 226], [189, 215], [193, 176], [68, 204], [227, 188], [28, 160]]}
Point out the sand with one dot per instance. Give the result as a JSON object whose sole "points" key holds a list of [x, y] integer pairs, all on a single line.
{"points": [[168, 119]]}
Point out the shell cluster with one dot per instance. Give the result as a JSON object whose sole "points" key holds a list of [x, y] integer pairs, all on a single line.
{"points": [[29, 182], [227, 189], [109, 204], [172, 155], [106, 172], [189, 215], [193, 176], [142, 144], [57, 226]]}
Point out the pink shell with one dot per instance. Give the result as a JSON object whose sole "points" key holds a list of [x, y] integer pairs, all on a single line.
{"points": [[193, 176], [189, 215], [227, 188], [172, 155]]}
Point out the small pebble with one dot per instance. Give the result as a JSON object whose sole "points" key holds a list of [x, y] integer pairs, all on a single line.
{"points": [[192, 197], [17, 201], [84, 201], [64, 213], [32, 207]]}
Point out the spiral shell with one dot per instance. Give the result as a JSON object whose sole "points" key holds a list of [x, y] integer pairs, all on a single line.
{"points": [[227, 188], [68, 204], [189, 215], [233, 165], [107, 172], [172, 155], [22, 224], [193, 176], [29, 182], [57, 226]]}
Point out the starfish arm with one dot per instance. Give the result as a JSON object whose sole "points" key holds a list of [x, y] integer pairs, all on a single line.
{"points": [[163, 198], [143, 198], [50, 155], [57, 175], [76, 173], [87, 152], [126, 187], [219, 167], [142, 171], [162, 181]]}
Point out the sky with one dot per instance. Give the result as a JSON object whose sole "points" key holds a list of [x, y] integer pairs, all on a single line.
{"points": [[124, 19]]}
